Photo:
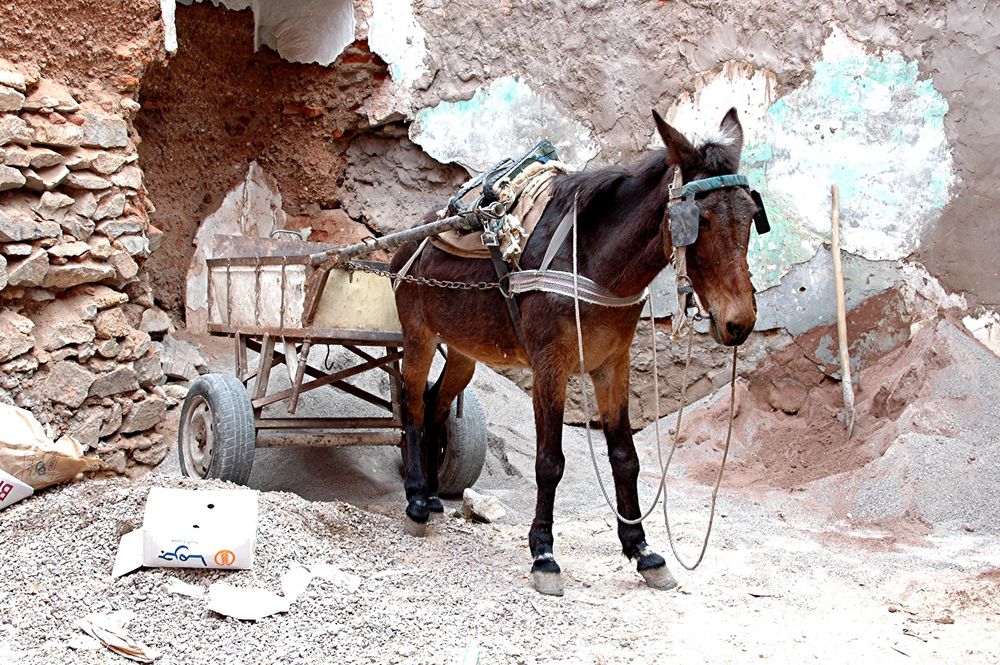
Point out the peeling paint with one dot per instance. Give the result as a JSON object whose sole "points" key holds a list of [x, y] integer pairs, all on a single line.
{"points": [[503, 120], [871, 125], [395, 34]]}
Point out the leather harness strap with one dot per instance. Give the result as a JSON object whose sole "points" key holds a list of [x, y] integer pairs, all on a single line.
{"points": [[503, 277]]}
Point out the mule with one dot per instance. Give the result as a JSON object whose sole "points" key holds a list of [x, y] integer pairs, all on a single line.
{"points": [[624, 242]]}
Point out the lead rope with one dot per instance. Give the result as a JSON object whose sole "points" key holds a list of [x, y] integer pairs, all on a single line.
{"points": [[664, 468]]}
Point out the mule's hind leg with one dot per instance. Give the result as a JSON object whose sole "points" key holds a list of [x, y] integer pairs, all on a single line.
{"points": [[611, 388], [548, 398], [457, 374], [418, 352]]}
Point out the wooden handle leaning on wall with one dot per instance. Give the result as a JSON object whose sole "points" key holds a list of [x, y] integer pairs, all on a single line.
{"points": [[838, 276]]}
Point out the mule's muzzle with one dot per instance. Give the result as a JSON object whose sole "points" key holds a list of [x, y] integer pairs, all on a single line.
{"points": [[731, 330]]}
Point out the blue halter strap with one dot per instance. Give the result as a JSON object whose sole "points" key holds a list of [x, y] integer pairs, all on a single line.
{"points": [[704, 185]]}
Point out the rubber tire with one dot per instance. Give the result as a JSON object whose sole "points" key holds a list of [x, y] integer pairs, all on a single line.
{"points": [[233, 427], [465, 453]]}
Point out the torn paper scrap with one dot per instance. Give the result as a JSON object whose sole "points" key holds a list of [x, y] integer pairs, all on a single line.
{"points": [[109, 630]]}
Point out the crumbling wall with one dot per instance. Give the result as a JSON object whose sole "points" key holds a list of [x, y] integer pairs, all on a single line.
{"points": [[75, 344]]}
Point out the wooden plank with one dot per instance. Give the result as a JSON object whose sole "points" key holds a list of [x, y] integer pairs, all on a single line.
{"points": [[266, 361], [290, 438], [260, 401], [326, 423]]}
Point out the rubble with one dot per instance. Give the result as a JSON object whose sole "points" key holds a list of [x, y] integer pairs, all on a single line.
{"points": [[481, 507]]}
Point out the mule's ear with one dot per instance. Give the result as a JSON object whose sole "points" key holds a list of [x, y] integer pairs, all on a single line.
{"points": [[680, 152], [732, 129]]}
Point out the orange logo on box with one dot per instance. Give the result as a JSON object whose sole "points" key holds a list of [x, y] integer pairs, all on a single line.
{"points": [[225, 557]]}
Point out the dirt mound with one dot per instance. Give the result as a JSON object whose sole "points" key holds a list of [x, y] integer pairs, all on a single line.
{"points": [[924, 449]]}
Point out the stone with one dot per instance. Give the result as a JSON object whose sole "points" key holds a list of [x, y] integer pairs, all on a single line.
{"points": [[148, 370], [68, 250], [87, 430], [130, 177], [108, 348], [10, 178], [102, 296], [86, 180], [787, 395], [3, 273], [481, 507], [19, 223], [53, 206], [50, 95], [112, 323], [73, 274], [175, 393], [112, 420], [11, 77], [173, 349], [103, 131], [154, 237], [135, 245], [67, 383], [42, 157], [156, 322], [114, 228], [100, 247], [144, 415], [10, 99], [14, 130], [124, 264], [134, 346], [80, 228], [66, 135], [30, 271], [65, 321], [180, 370], [15, 335], [42, 180], [16, 249], [16, 156], [112, 205], [107, 163], [79, 158], [116, 462], [85, 204], [115, 382]]}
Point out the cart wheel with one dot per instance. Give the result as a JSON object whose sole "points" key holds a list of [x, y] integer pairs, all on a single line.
{"points": [[216, 437], [465, 445]]}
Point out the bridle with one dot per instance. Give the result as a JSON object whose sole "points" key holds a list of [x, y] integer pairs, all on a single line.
{"points": [[681, 222]]}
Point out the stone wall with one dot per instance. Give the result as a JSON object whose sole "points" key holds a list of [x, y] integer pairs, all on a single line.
{"points": [[75, 328]]}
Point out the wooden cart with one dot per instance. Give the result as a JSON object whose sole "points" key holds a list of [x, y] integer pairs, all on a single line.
{"points": [[278, 303]]}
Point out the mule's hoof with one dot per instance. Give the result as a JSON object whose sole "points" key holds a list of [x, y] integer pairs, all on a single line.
{"points": [[434, 504], [546, 583], [414, 528], [658, 578]]}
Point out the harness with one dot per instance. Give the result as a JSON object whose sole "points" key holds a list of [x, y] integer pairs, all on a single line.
{"points": [[504, 238]]}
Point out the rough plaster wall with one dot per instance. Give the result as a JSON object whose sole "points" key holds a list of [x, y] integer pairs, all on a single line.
{"points": [[216, 106], [963, 55]]}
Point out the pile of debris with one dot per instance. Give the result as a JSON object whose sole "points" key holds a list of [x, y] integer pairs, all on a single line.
{"points": [[77, 326]]}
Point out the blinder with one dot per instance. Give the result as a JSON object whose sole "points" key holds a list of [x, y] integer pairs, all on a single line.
{"points": [[684, 211]]}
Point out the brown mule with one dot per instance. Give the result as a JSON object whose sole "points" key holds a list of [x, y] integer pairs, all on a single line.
{"points": [[624, 242]]}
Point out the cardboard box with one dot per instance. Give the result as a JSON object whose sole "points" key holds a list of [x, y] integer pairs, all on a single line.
{"points": [[192, 529], [12, 490]]}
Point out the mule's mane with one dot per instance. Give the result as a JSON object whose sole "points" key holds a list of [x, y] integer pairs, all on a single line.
{"points": [[598, 187]]}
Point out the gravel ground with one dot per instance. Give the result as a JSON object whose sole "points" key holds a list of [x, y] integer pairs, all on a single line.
{"points": [[782, 582]]}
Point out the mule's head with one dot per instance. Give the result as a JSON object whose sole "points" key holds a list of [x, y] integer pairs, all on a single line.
{"points": [[717, 261]]}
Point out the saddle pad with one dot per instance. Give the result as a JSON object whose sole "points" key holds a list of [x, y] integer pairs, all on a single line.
{"points": [[528, 209]]}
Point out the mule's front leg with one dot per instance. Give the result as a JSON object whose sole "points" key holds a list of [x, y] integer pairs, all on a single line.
{"points": [[611, 388], [549, 396], [417, 356]]}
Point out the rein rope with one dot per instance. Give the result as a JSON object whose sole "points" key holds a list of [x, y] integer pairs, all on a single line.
{"points": [[664, 468]]}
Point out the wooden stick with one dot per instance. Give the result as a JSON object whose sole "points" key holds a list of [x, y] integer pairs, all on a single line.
{"points": [[838, 276]]}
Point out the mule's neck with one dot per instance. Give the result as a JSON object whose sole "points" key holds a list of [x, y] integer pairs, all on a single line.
{"points": [[625, 251]]}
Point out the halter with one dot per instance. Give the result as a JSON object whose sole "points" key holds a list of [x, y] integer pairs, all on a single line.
{"points": [[683, 215]]}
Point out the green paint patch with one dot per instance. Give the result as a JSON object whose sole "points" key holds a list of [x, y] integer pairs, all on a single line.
{"points": [[871, 125]]}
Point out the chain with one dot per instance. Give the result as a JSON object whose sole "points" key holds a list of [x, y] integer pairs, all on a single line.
{"points": [[424, 281]]}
